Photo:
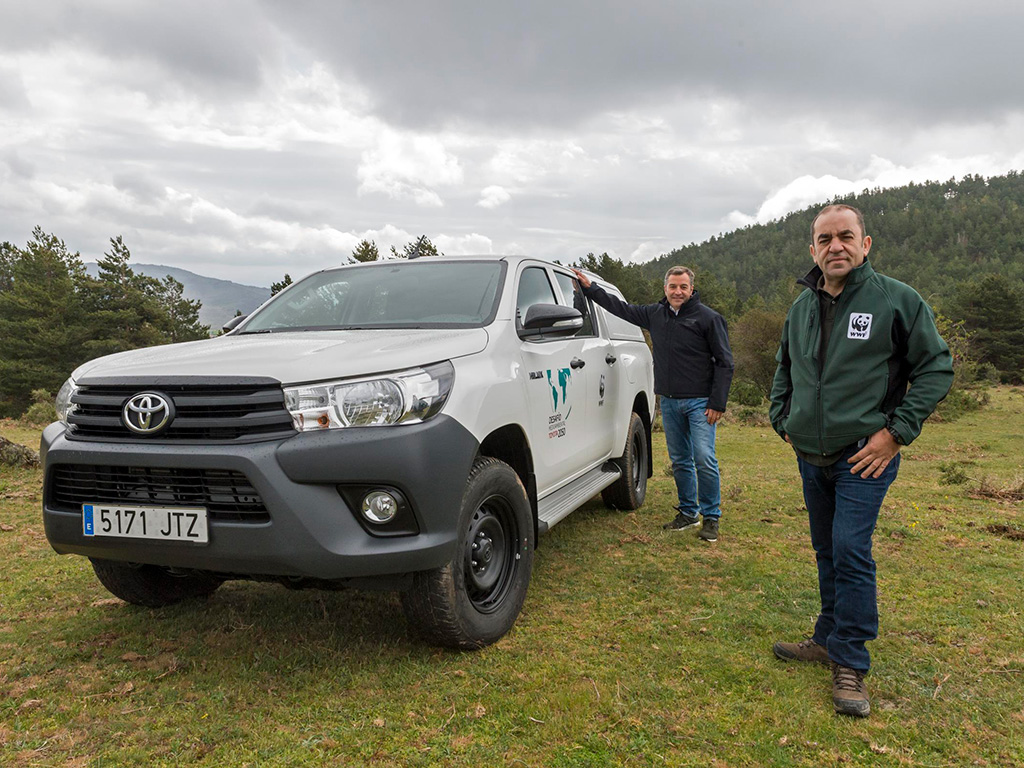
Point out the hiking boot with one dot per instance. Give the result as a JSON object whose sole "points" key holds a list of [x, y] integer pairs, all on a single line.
{"points": [[805, 650], [682, 522], [709, 531], [849, 695]]}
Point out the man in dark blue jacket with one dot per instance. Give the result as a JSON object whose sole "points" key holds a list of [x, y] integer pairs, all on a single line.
{"points": [[692, 373]]}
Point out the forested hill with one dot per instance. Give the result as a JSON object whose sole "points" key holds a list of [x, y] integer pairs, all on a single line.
{"points": [[933, 236]]}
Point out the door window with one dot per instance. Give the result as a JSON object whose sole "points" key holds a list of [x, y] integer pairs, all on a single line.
{"points": [[572, 295], [534, 288]]}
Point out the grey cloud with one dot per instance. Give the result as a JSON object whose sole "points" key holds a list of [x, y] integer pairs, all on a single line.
{"points": [[18, 164], [12, 91], [139, 185], [535, 62], [201, 44]]}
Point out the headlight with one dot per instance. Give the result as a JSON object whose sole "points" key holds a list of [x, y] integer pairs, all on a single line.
{"points": [[407, 397], [63, 404]]}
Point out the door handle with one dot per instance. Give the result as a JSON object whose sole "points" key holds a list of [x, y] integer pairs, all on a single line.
{"points": [[610, 359], [577, 363]]}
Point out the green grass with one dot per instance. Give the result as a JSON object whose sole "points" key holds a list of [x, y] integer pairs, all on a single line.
{"points": [[636, 646]]}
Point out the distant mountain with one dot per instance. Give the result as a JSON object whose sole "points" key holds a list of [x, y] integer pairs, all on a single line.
{"points": [[220, 298]]}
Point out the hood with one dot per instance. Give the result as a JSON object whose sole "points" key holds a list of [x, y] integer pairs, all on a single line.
{"points": [[291, 358]]}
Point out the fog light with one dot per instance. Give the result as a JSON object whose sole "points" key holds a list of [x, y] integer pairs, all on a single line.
{"points": [[379, 507]]}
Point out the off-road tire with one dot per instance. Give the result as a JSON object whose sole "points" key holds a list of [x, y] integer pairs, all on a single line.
{"points": [[475, 598], [150, 585], [629, 491]]}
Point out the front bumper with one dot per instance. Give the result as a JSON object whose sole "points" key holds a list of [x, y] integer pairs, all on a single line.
{"points": [[311, 532]]}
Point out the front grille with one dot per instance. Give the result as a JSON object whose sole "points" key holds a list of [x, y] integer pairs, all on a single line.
{"points": [[226, 494], [203, 412]]}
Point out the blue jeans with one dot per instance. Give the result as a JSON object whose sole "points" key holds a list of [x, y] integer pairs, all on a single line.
{"points": [[691, 449], [843, 509]]}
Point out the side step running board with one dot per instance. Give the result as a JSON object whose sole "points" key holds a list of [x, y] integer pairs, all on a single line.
{"points": [[557, 505]]}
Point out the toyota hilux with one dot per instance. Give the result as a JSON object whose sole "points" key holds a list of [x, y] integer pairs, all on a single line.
{"points": [[409, 424]]}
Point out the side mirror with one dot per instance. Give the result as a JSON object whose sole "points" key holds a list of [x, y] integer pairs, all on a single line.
{"points": [[546, 320], [233, 323]]}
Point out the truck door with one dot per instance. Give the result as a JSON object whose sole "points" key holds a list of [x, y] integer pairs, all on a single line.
{"points": [[556, 386], [602, 389]]}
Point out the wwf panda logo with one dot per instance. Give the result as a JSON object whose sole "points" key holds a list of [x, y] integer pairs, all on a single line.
{"points": [[860, 326]]}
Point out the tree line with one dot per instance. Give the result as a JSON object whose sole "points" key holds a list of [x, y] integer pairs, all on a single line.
{"points": [[54, 316]]}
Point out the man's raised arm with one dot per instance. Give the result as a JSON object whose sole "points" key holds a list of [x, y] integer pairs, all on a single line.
{"points": [[631, 313]]}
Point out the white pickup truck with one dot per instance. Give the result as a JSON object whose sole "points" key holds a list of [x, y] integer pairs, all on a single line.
{"points": [[405, 424]]}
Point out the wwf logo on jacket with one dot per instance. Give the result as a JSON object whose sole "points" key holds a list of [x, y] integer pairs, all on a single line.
{"points": [[860, 326]]}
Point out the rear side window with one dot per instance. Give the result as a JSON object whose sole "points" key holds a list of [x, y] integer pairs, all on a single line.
{"points": [[618, 328]]}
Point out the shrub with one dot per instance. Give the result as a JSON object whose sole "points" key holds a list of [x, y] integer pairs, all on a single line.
{"points": [[755, 339], [753, 416], [952, 473], [959, 402], [745, 392], [42, 410]]}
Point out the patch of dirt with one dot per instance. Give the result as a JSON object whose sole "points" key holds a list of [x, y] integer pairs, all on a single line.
{"points": [[986, 490], [1014, 534], [956, 542]]}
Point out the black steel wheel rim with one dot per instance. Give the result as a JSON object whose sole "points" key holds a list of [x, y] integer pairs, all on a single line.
{"points": [[639, 461], [491, 556]]}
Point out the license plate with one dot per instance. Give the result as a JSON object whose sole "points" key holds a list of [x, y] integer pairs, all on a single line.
{"points": [[162, 523]]}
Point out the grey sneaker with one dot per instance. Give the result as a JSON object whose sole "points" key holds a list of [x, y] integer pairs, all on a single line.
{"points": [[709, 531], [849, 694], [805, 650], [682, 522]]}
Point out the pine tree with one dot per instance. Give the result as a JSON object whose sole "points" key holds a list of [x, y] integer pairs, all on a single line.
{"points": [[992, 310], [124, 307], [42, 319], [182, 315], [366, 251], [276, 288], [420, 247]]}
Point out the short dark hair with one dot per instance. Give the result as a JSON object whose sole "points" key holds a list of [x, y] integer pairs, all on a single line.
{"points": [[679, 271], [840, 207]]}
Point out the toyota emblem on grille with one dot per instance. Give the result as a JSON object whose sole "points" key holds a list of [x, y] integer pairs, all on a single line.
{"points": [[147, 413]]}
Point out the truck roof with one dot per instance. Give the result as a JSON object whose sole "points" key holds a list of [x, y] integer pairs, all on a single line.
{"points": [[510, 258]]}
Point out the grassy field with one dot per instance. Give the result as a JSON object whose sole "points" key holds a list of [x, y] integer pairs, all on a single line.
{"points": [[636, 646]]}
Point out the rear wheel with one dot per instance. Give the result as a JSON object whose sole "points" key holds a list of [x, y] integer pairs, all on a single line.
{"points": [[475, 598], [629, 491], [151, 585]]}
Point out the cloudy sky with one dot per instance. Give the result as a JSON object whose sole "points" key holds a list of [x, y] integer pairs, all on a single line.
{"points": [[244, 139]]}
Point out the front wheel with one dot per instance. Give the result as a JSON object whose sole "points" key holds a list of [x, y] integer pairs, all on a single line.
{"points": [[151, 585], [476, 597], [629, 491]]}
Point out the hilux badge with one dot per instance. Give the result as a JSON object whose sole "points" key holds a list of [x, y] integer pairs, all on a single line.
{"points": [[147, 413]]}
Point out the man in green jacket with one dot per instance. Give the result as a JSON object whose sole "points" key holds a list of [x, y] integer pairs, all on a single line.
{"points": [[851, 345]]}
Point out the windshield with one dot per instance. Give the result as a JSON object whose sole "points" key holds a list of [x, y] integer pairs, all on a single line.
{"points": [[397, 294]]}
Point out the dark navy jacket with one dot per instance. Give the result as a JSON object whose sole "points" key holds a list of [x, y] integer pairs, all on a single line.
{"points": [[691, 350]]}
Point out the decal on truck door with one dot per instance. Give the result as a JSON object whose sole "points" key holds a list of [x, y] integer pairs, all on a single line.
{"points": [[560, 382]]}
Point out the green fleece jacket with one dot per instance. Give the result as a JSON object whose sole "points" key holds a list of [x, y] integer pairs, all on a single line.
{"points": [[884, 339]]}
